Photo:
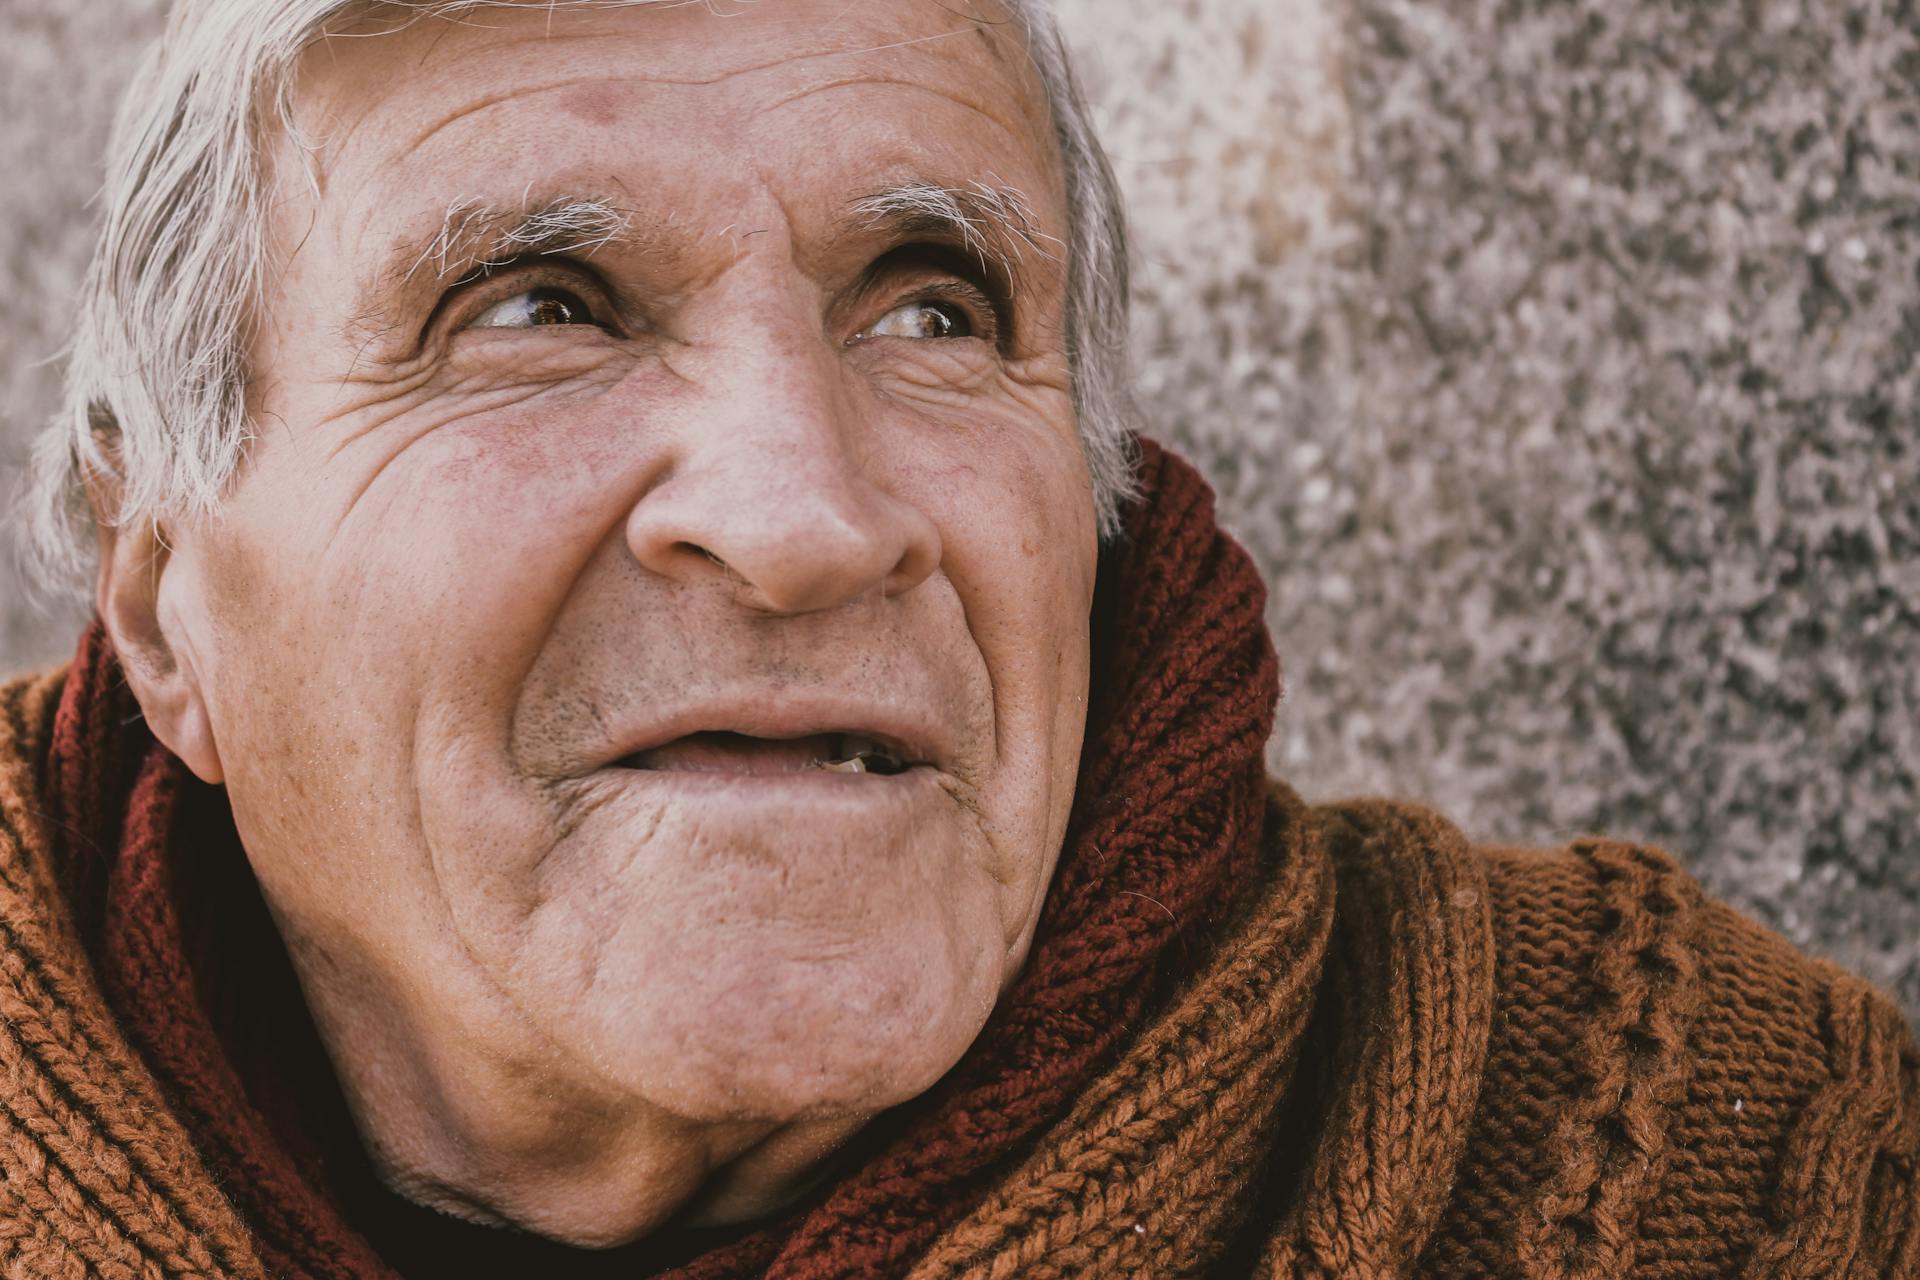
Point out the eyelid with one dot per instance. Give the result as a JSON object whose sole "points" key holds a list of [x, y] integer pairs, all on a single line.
{"points": [[948, 274], [467, 297], [987, 324]]}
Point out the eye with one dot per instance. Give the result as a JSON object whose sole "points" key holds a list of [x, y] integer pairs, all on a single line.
{"points": [[925, 318], [535, 307]]}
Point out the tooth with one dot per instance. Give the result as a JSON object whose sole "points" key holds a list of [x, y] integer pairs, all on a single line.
{"points": [[855, 765]]}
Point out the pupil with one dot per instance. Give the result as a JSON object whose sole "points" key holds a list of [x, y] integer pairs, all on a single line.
{"points": [[936, 322], [549, 307]]}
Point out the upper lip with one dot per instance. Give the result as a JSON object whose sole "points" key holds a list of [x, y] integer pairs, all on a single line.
{"points": [[911, 738]]}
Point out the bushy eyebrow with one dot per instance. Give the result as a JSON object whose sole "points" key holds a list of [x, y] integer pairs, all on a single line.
{"points": [[475, 236], [994, 223]]}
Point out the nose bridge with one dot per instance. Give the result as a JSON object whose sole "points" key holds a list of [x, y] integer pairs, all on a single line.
{"points": [[774, 420], [773, 376], [774, 482]]}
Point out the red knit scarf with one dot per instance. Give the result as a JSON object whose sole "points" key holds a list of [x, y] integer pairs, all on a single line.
{"points": [[1164, 836]]}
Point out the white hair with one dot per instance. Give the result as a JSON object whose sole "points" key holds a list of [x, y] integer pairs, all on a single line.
{"points": [[971, 210], [559, 226], [156, 379]]}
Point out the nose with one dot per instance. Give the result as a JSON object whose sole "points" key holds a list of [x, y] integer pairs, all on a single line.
{"points": [[774, 487]]}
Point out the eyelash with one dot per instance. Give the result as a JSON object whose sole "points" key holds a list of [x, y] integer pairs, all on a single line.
{"points": [[966, 286], [982, 310], [467, 300], [965, 281]]}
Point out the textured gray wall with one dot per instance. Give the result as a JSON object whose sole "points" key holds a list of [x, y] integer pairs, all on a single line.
{"points": [[1557, 360]]}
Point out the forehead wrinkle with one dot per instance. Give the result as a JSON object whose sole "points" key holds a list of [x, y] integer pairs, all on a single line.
{"points": [[981, 107], [449, 23], [554, 85], [494, 100]]}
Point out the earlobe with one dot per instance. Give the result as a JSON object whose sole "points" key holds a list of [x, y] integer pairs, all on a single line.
{"points": [[135, 561]]}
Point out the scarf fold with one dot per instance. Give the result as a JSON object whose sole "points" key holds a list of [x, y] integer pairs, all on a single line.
{"points": [[1163, 845]]}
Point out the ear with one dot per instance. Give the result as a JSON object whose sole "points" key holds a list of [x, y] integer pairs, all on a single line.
{"points": [[135, 562]]}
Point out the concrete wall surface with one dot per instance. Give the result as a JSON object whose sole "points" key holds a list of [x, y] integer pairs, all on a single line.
{"points": [[1557, 361]]}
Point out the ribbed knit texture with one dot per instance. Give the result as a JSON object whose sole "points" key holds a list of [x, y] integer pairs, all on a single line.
{"points": [[1348, 1044], [97, 1176]]}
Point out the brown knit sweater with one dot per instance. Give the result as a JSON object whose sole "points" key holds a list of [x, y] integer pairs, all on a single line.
{"points": [[1407, 1056]]}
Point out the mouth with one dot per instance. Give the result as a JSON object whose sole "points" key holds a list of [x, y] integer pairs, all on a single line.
{"points": [[741, 754]]}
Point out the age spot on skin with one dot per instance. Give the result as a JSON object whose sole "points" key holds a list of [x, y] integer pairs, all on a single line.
{"points": [[595, 104]]}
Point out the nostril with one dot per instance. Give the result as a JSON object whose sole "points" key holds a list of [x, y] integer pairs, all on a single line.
{"points": [[693, 554]]}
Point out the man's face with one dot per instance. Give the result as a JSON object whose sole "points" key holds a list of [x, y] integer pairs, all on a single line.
{"points": [[550, 583]]}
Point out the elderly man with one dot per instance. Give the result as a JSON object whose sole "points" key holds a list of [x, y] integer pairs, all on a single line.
{"points": [[649, 714]]}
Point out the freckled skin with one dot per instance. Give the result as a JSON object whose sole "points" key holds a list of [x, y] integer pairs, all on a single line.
{"points": [[461, 566]]}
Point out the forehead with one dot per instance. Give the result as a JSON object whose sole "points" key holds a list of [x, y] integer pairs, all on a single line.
{"points": [[671, 105]]}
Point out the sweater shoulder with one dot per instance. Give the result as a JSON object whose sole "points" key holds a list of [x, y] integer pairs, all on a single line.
{"points": [[27, 707], [1687, 1091], [103, 1180], [1621, 933]]}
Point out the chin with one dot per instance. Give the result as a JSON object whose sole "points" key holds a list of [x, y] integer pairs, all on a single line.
{"points": [[742, 971], [781, 1033]]}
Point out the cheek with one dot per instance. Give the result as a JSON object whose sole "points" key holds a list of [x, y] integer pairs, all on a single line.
{"points": [[1020, 545], [455, 525], [1017, 520], [345, 594], [1003, 472]]}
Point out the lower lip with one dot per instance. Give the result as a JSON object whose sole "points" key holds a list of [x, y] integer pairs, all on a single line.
{"points": [[815, 781]]}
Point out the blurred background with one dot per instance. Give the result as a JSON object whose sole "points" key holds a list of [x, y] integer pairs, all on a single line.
{"points": [[1557, 361]]}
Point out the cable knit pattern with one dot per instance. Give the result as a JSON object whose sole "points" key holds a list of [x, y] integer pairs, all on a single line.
{"points": [[1860, 1121], [1609, 1150]]}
